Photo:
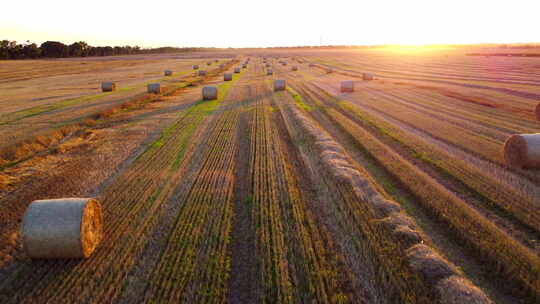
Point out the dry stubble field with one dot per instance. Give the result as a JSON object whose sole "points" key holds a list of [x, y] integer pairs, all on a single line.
{"points": [[394, 193]]}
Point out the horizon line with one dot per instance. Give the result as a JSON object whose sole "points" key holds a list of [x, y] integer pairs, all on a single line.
{"points": [[300, 46]]}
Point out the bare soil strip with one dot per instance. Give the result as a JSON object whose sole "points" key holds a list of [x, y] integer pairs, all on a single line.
{"points": [[243, 284]]}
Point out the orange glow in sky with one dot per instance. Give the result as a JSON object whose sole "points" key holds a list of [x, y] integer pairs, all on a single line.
{"points": [[247, 23]]}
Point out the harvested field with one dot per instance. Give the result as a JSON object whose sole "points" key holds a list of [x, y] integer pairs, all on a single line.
{"points": [[329, 189]]}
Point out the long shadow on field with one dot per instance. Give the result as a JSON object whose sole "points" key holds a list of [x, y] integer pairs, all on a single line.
{"points": [[243, 280], [20, 272]]}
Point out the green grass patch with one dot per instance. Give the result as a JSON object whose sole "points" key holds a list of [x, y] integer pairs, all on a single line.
{"points": [[361, 115], [195, 116], [298, 99]]}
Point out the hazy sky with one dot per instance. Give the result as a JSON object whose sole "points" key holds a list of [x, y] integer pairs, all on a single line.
{"points": [[246, 23]]}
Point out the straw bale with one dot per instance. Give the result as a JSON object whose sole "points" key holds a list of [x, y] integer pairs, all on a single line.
{"points": [[108, 86], [210, 93], [522, 151], [347, 86], [367, 76], [279, 85], [154, 88], [62, 228]]}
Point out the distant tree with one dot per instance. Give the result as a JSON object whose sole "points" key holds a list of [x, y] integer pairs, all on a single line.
{"points": [[92, 51], [128, 50], [117, 50], [31, 50], [84, 47], [15, 50], [78, 49], [4, 49], [100, 51], [108, 51], [54, 49]]}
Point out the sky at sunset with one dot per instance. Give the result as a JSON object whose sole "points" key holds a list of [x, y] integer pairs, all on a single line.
{"points": [[248, 23]]}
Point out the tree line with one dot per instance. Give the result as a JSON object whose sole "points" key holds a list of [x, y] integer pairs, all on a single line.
{"points": [[55, 49]]}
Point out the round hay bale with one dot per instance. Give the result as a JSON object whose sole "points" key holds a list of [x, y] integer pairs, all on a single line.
{"points": [[294, 68], [522, 151], [168, 73], [154, 88], [269, 72], [237, 70], [202, 73], [347, 86], [279, 85], [367, 76], [62, 228], [244, 66], [195, 66], [227, 77], [537, 111], [457, 290], [108, 86], [209, 93]]}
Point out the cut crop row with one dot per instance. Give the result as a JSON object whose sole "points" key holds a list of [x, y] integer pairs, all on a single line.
{"points": [[371, 252], [295, 264], [507, 257]]}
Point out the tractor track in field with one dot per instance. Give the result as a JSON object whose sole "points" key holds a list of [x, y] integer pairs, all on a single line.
{"points": [[244, 285]]}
